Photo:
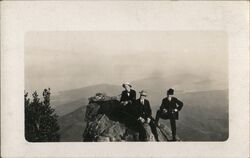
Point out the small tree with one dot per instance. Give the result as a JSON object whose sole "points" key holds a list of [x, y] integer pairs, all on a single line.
{"points": [[40, 120]]}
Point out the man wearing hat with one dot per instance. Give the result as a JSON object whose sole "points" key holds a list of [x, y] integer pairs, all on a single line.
{"points": [[169, 109], [143, 114], [128, 96]]}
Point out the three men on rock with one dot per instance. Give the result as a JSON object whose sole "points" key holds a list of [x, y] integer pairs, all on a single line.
{"points": [[141, 111]]}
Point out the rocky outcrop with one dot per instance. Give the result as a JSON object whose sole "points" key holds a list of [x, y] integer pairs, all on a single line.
{"points": [[106, 121]]}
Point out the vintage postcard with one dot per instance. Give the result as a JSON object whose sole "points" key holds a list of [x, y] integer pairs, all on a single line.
{"points": [[125, 79]]}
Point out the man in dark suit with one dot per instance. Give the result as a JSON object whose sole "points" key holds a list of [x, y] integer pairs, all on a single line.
{"points": [[143, 113], [169, 109], [128, 96]]}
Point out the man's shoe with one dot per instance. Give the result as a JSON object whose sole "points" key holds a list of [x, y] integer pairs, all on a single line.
{"points": [[174, 139]]}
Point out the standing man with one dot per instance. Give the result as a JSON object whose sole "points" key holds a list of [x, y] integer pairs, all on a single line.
{"points": [[144, 115], [169, 109]]}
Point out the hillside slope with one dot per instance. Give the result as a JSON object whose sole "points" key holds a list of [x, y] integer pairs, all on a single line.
{"points": [[72, 125]]}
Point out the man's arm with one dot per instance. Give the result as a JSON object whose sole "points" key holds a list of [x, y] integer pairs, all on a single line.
{"points": [[162, 105], [134, 95], [149, 110], [122, 96], [137, 112], [180, 104]]}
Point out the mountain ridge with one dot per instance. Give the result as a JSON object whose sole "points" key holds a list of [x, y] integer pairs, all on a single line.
{"points": [[156, 87], [198, 121]]}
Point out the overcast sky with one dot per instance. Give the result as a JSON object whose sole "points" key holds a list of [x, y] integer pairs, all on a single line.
{"points": [[68, 60]]}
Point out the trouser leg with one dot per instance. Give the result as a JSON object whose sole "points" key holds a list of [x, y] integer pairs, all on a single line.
{"points": [[173, 128], [157, 117], [127, 117], [142, 132], [154, 130]]}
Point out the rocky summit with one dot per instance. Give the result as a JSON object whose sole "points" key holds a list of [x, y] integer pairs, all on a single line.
{"points": [[107, 122]]}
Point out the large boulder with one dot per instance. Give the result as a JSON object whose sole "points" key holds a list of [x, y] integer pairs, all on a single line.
{"points": [[165, 133], [107, 121]]}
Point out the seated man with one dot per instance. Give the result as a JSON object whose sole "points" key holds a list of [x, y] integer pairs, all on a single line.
{"points": [[169, 110], [143, 114], [128, 96]]}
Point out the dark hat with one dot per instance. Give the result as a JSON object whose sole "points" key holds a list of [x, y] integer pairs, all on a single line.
{"points": [[143, 93], [126, 83], [170, 91]]}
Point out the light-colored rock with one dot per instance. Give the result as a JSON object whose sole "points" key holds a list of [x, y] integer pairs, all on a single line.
{"points": [[149, 134], [103, 139]]}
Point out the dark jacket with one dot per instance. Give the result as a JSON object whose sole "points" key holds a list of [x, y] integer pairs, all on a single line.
{"points": [[170, 106], [131, 97], [143, 110]]}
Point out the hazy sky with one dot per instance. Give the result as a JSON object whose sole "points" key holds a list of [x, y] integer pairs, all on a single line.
{"points": [[68, 60]]}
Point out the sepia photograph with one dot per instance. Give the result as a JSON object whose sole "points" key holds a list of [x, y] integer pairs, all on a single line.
{"points": [[121, 86], [135, 79]]}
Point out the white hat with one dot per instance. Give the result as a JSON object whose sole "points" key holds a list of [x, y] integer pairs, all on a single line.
{"points": [[126, 83], [143, 93]]}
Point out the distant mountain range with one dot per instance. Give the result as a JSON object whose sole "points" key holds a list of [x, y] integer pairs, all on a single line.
{"points": [[156, 87], [204, 116], [67, 101]]}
